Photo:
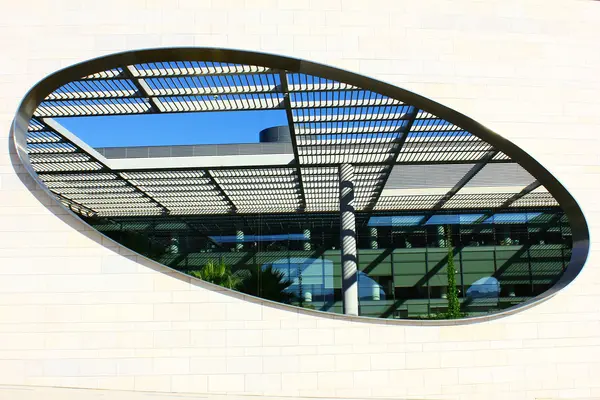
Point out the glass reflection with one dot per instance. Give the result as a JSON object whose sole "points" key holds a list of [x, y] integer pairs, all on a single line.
{"points": [[501, 259]]}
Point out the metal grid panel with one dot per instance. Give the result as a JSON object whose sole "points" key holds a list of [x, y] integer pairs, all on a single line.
{"points": [[166, 87], [331, 122], [212, 84], [86, 184], [109, 198], [101, 206], [432, 139], [342, 154], [76, 177], [86, 107], [416, 202], [59, 158], [335, 123], [228, 102], [208, 209], [157, 174], [322, 186], [367, 183], [39, 136], [71, 191], [341, 114], [336, 99], [130, 212], [51, 148], [536, 199], [94, 89], [480, 200], [445, 148], [310, 83], [89, 190], [71, 166], [501, 157], [504, 174], [50, 152], [113, 201], [261, 190], [111, 73], [180, 192], [426, 176], [69, 172], [34, 126], [193, 68], [78, 208]]}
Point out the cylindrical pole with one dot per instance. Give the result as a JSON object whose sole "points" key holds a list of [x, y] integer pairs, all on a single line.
{"points": [[373, 238], [239, 240], [375, 291], [441, 236], [348, 240], [307, 246]]}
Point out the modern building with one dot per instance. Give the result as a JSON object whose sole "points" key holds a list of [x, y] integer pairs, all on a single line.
{"points": [[357, 201], [340, 226]]}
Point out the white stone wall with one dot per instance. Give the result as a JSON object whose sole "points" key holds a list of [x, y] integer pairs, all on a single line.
{"points": [[79, 311]]}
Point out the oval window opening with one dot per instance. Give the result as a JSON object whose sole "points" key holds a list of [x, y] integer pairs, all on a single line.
{"points": [[301, 184]]}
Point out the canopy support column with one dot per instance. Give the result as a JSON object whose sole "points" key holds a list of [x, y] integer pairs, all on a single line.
{"points": [[307, 245], [348, 240], [373, 238], [239, 240]]}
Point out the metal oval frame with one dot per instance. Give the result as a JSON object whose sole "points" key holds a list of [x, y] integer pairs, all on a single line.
{"points": [[579, 227]]}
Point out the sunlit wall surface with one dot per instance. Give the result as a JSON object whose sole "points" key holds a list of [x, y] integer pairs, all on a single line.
{"points": [[83, 316]]}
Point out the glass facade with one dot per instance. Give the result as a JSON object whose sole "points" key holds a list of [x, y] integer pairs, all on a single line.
{"points": [[501, 259]]}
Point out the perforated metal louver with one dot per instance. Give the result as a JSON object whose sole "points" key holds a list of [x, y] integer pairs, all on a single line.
{"points": [[404, 157]]}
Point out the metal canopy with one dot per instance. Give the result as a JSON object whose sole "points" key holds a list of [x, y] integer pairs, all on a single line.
{"points": [[405, 158]]}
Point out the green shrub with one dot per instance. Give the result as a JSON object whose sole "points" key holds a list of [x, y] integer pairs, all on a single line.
{"points": [[453, 302]]}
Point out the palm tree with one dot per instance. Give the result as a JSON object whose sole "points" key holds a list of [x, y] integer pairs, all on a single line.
{"points": [[219, 274], [267, 283]]}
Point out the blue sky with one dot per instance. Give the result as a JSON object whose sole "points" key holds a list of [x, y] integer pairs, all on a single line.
{"points": [[173, 129], [219, 127]]}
